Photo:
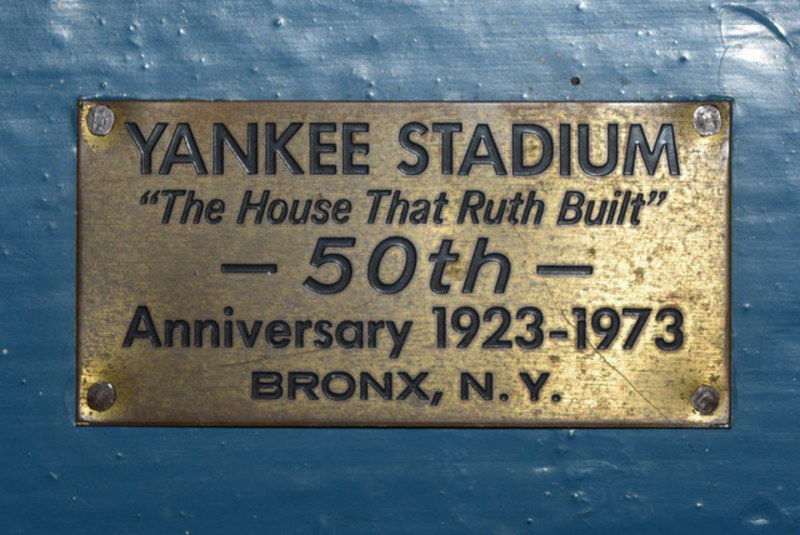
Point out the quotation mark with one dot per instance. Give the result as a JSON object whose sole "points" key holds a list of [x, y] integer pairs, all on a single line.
{"points": [[147, 198], [660, 195]]}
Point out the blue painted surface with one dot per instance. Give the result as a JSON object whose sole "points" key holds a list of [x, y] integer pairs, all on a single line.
{"points": [[56, 478]]}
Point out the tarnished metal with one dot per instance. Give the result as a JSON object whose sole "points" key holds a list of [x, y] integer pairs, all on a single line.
{"points": [[452, 264]]}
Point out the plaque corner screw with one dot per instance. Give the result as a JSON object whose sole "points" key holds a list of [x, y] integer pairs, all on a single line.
{"points": [[705, 400], [707, 120], [101, 396], [100, 120]]}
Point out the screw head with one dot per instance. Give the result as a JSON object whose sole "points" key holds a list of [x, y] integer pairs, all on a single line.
{"points": [[100, 120], [707, 120], [705, 400], [101, 396]]}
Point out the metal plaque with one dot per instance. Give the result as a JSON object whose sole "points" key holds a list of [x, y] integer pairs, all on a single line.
{"points": [[404, 263]]}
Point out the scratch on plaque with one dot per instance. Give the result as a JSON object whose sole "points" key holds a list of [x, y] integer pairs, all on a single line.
{"points": [[608, 362], [260, 359], [358, 306], [595, 350]]}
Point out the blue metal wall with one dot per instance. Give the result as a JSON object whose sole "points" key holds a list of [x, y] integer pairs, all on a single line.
{"points": [[56, 478]]}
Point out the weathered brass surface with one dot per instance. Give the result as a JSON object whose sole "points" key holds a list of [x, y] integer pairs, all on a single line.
{"points": [[671, 257]]}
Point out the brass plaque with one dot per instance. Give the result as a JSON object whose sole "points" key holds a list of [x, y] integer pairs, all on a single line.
{"points": [[404, 263]]}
